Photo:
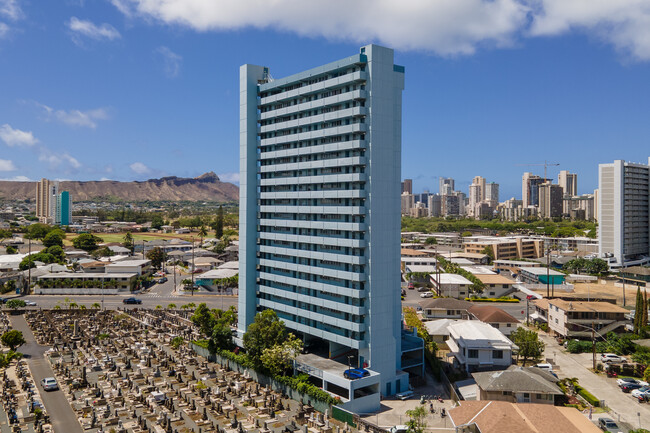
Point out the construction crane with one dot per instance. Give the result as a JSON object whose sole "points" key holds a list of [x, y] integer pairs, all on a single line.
{"points": [[546, 165]]}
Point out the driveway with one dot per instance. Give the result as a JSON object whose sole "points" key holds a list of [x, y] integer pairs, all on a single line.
{"points": [[62, 417], [623, 406]]}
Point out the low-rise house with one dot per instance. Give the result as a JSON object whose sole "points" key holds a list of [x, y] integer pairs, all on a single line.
{"points": [[488, 416], [140, 267], [575, 319], [495, 317], [533, 275], [518, 385], [85, 283], [477, 346], [540, 313], [513, 266], [439, 331], [94, 266], [210, 280], [445, 308], [450, 285], [496, 286]]}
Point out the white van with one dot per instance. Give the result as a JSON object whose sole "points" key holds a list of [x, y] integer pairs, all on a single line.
{"points": [[545, 367]]}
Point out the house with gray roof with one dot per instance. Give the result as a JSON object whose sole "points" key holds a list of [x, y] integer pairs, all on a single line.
{"points": [[518, 385]]}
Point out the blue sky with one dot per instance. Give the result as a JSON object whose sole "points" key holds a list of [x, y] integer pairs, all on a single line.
{"points": [[135, 89]]}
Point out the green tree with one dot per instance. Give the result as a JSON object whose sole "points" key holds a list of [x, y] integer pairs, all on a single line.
{"points": [[87, 242], [5, 234], [157, 256], [221, 337], [95, 306], [266, 331], [638, 311], [13, 339], [430, 241], [417, 419], [54, 237], [218, 225], [278, 359], [202, 233], [530, 346], [38, 231], [489, 251], [157, 222], [646, 374], [128, 241], [11, 249], [203, 318], [57, 252], [177, 341]]}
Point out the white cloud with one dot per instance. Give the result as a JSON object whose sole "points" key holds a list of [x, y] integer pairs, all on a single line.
{"points": [[623, 23], [444, 27], [18, 179], [7, 165], [140, 168], [89, 29], [172, 61], [55, 159], [229, 177], [4, 30], [16, 137], [11, 9], [76, 118]]}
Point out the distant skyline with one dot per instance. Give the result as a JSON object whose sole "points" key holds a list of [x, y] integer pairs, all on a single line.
{"points": [[135, 89]]}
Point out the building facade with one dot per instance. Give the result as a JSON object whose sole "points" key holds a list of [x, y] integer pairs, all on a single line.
{"points": [[320, 156], [624, 213], [63, 211], [550, 200], [407, 186], [46, 195], [568, 182]]}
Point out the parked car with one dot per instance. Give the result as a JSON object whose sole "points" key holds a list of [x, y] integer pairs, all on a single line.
{"points": [[626, 380], [611, 357], [643, 391], [399, 429], [411, 286], [608, 424], [49, 384], [427, 295], [29, 303], [162, 280], [423, 289], [355, 373], [545, 367], [629, 387], [404, 395], [132, 301]]}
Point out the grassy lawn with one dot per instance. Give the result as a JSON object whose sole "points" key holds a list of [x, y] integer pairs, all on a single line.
{"points": [[138, 237]]}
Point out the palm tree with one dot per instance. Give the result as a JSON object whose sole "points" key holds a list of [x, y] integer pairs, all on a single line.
{"points": [[73, 305], [158, 307], [82, 307], [171, 306], [95, 306], [202, 233]]}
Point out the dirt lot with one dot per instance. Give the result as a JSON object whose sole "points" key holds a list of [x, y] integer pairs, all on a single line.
{"points": [[594, 290]]}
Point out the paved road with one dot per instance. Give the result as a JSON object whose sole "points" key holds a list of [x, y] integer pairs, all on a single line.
{"points": [[62, 416], [600, 386], [517, 310], [158, 294]]}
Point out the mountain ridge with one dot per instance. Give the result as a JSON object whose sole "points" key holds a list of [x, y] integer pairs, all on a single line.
{"points": [[207, 187]]}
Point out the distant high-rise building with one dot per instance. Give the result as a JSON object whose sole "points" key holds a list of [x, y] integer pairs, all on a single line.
{"points": [[435, 205], [450, 205], [568, 182], [422, 198], [624, 213], [46, 196], [63, 212], [320, 165], [550, 200], [446, 186], [407, 186], [530, 189], [492, 192], [407, 203]]}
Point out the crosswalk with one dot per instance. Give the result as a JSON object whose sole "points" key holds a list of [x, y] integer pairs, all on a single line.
{"points": [[159, 295]]}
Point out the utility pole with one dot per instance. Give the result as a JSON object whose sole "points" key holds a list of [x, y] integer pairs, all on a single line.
{"points": [[102, 293], [192, 270], [29, 263], [548, 276], [593, 344]]}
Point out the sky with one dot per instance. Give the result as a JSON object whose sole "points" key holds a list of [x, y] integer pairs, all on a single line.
{"points": [[139, 89]]}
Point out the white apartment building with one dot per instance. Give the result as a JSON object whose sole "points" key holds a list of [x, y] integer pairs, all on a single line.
{"points": [[624, 213], [477, 346], [320, 156]]}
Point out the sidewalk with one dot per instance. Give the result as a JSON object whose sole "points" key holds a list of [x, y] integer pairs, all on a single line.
{"points": [[623, 406]]}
